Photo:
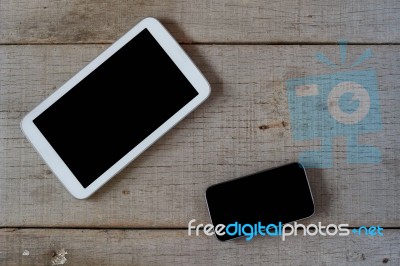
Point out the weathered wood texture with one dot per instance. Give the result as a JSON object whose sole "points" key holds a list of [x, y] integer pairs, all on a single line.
{"points": [[175, 247], [202, 21], [226, 137]]}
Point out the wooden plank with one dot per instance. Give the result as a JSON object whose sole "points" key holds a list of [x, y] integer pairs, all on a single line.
{"points": [[226, 137], [175, 247], [80, 21]]}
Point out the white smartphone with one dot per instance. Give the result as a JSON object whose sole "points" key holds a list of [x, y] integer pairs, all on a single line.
{"points": [[115, 108]]}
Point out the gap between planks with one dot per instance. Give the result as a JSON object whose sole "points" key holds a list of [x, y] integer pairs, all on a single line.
{"points": [[211, 43], [13, 228]]}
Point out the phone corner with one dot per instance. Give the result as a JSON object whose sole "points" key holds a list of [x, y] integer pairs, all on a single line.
{"points": [[206, 193], [300, 165], [220, 239], [23, 124], [207, 90], [313, 210], [80, 195], [150, 20], [26, 126]]}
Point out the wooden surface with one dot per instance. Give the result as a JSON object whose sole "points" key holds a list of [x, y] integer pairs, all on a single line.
{"points": [[76, 21], [242, 128], [175, 247], [219, 141]]}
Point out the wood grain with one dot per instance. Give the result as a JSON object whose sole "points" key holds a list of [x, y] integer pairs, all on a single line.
{"points": [[233, 133], [227, 21], [175, 247]]}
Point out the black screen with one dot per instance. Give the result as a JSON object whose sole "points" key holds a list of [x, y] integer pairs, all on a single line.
{"points": [[278, 195], [115, 107]]}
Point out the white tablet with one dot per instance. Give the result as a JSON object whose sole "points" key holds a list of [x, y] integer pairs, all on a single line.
{"points": [[115, 108]]}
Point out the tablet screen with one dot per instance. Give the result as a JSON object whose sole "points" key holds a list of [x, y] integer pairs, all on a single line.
{"points": [[115, 107]]}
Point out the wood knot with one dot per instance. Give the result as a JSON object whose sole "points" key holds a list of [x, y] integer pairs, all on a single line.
{"points": [[263, 127], [279, 124]]}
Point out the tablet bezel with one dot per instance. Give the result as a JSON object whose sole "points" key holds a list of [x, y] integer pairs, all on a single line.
{"points": [[177, 55]]}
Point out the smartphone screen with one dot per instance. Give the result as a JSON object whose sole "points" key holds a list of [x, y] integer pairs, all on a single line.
{"points": [[280, 194]]}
